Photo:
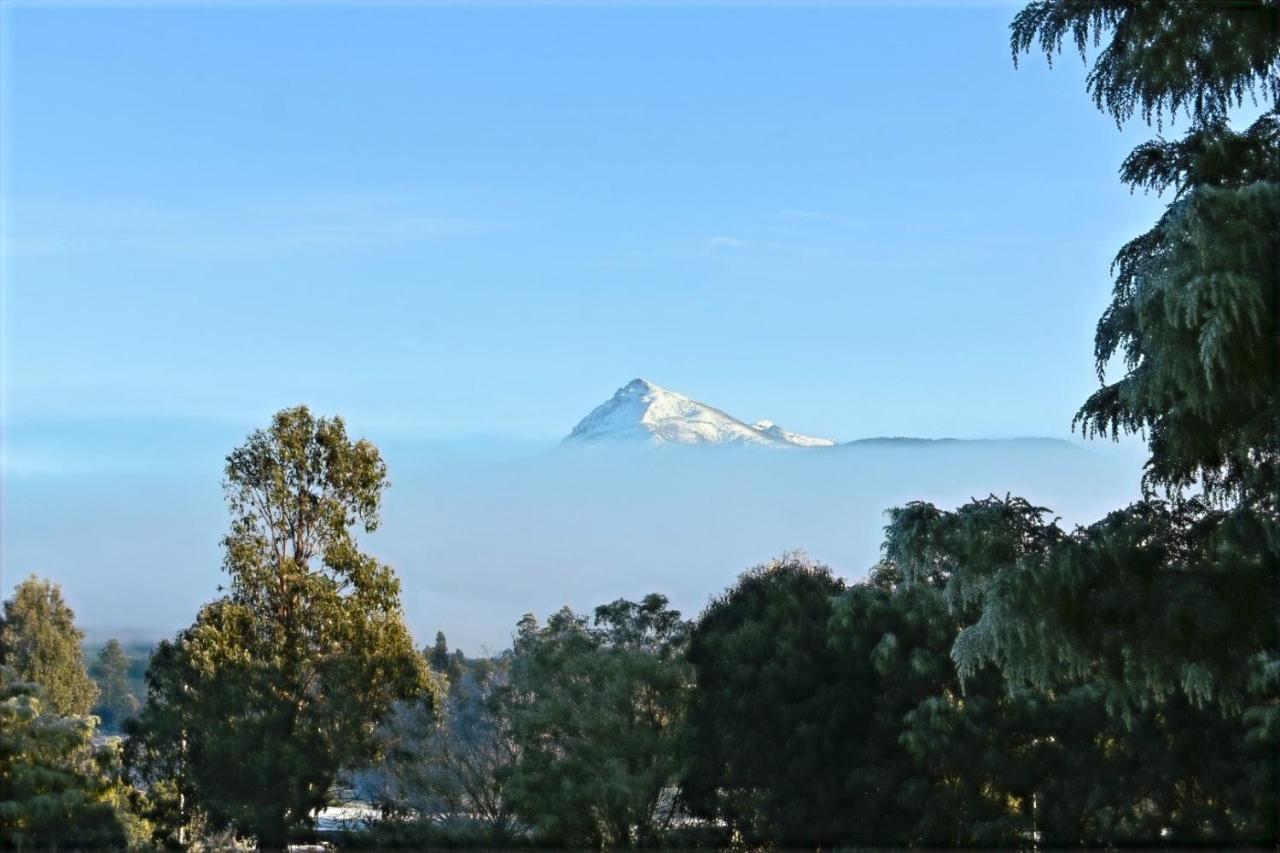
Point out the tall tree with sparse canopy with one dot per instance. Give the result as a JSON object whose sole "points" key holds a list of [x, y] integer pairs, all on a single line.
{"points": [[281, 683], [40, 642]]}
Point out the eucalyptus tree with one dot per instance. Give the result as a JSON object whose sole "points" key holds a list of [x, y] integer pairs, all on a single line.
{"points": [[281, 683]]}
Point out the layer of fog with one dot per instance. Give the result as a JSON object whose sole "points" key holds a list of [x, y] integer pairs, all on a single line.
{"points": [[480, 538]]}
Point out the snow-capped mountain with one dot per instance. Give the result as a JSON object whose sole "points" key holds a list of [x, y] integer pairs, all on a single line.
{"points": [[643, 412], [774, 431]]}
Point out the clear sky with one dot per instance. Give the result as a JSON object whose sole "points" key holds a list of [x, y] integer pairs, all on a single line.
{"points": [[443, 222], [463, 228]]}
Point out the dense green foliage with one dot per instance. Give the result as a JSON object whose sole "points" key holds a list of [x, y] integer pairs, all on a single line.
{"points": [[1101, 766], [769, 731], [57, 789], [1155, 598], [1194, 311], [40, 642], [1194, 320], [1182, 595], [595, 713], [255, 709], [935, 763], [1165, 615], [1197, 58]]}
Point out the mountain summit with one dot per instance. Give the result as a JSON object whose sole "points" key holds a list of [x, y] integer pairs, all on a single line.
{"points": [[643, 412]]}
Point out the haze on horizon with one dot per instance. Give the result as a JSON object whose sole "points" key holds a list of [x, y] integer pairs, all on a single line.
{"points": [[480, 223]]}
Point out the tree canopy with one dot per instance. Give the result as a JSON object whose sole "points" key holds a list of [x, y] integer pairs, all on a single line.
{"points": [[40, 642], [769, 731], [1161, 58], [595, 713], [454, 760], [280, 684], [1194, 312], [57, 787]]}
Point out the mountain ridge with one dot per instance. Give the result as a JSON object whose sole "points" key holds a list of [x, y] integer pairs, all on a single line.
{"points": [[642, 413]]}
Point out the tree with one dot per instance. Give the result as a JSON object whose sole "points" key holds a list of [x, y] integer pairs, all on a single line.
{"points": [[1180, 594], [450, 665], [933, 763], [772, 724], [1129, 645], [439, 657], [453, 762], [595, 713], [57, 788], [116, 701], [1162, 58], [39, 640], [1154, 598], [280, 684], [1194, 310]]}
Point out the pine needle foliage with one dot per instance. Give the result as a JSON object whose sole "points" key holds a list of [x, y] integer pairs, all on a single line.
{"points": [[1160, 58], [1154, 599], [1193, 319]]}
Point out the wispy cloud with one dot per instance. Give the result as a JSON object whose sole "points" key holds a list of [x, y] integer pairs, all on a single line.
{"points": [[721, 242], [799, 215], [773, 244], [794, 231], [224, 227]]}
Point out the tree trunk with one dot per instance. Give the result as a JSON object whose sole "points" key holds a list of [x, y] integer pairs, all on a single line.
{"points": [[274, 835]]}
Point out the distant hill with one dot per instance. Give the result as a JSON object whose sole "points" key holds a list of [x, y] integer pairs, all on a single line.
{"points": [[907, 441]]}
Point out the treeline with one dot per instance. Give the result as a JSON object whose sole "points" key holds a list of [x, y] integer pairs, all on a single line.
{"points": [[799, 711], [996, 679], [796, 711]]}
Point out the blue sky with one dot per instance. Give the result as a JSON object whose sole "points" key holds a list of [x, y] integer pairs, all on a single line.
{"points": [[452, 224], [444, 222]]}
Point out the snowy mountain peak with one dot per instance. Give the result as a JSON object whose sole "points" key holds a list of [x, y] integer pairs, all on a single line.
{"points": [[639, 385], [641, 411]]}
